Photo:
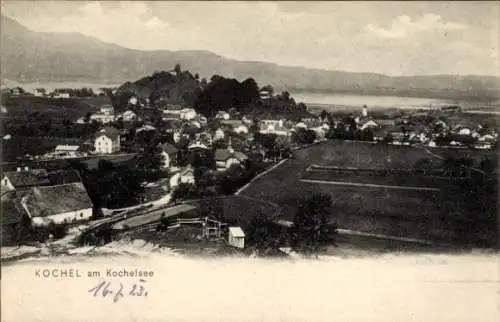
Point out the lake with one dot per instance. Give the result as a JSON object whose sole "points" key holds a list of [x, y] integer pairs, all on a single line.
{"points": [[347, 100]]}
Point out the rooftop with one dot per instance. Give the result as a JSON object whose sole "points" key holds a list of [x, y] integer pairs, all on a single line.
{"points": [[236, 231], [51, 200], [110, 132], [29, 178], [67, 148]]}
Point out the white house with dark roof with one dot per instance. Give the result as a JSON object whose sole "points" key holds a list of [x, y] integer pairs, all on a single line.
{"points": [[225, 158], [236, 237], [60, 204], [107, 141]]}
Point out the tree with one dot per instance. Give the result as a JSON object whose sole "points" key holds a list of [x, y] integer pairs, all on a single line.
{"points": [[87, 117], [323, 115], [263, 234], [312, 230], [177, 69]]}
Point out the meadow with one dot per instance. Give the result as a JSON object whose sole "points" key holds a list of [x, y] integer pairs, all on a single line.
{"points": [[432, 214]]}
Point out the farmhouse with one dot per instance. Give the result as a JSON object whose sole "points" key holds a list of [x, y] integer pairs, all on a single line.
{"points": [[225, 158], [60, 204], [236, 237], [107, 141], [24, 178]]}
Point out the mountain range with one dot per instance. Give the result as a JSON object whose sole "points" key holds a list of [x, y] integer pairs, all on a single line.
{"points": [[29, 56]]}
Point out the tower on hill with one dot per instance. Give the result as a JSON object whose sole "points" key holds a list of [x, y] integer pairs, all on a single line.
{"points": [[365, 111]]}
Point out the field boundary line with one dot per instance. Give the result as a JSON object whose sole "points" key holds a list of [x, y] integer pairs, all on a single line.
{"points": [[260, 175], [355, 184], [350, 232]]}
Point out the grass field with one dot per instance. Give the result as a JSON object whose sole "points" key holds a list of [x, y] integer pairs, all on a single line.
{"points": [[400, 212], [23, 107]]}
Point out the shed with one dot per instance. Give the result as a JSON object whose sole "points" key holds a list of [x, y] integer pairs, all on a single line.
{"points": [[236, 237]]}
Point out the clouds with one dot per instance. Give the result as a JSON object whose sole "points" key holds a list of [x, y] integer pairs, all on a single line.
{"points": [[338, 35], [403, 26]]}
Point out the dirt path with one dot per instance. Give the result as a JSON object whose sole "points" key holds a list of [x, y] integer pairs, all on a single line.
{"points": [[354, 184]]}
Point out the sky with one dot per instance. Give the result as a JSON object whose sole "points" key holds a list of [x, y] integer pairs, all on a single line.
{"points": [[393, 38]]}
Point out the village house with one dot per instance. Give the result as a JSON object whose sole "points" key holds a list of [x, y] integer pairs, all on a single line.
{"points": [[169, 115], [60, 93], [197, 145], [133, 100], [184, 176], [107, 141], [247, 120], [169, 154], [236, 126], [187, 114], [24, 178], [105, 115], [369, 125], [201, 119], [265, 94], [236, 237], [129, 116], [16, 91], [59, 204], [218, 134], [225, 158], [385, 122], [274, 126], [39, 92], [67, 151], [464, 131], [222, 115], [80, 120], [483, 145]]}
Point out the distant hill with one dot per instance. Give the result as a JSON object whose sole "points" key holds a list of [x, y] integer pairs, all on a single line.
{"points": [[28, 56]]}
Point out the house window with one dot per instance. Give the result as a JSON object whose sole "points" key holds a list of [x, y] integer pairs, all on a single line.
{"points": [[81, 215]]}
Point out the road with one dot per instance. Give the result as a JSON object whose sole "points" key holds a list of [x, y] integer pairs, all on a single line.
{"points": [[151, 216]]}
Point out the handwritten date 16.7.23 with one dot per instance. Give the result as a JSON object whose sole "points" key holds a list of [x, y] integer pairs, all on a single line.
{"points": [[117, 290]]}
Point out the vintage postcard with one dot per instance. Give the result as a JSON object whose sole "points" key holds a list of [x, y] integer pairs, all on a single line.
{"points": [[250, 161]]}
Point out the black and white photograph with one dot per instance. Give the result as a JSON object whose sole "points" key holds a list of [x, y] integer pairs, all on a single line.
{"points": [[250, 161]]}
